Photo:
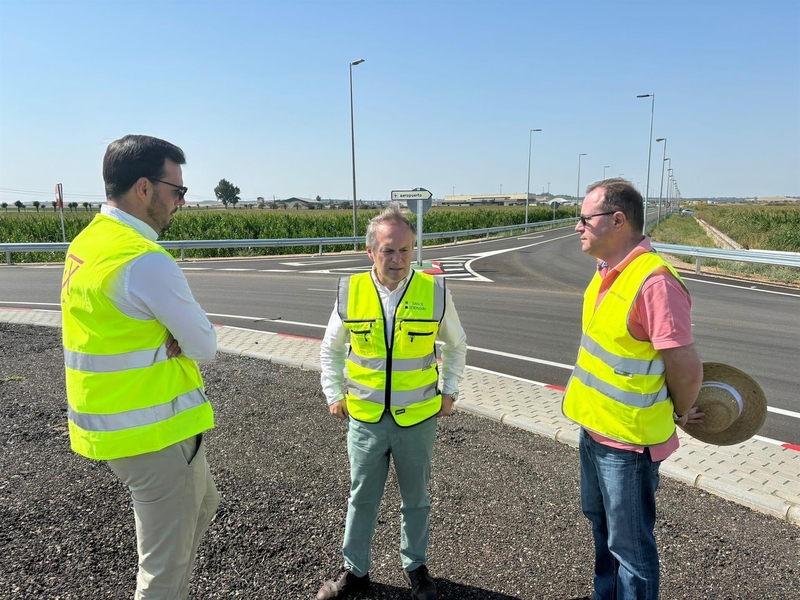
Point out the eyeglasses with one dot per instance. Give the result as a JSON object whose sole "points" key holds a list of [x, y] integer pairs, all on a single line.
{"points": [[182, 189], [584, 219]]}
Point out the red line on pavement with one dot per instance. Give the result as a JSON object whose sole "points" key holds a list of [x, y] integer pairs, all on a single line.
{"points": [[298, 337], [556, 387], [791, 447]]}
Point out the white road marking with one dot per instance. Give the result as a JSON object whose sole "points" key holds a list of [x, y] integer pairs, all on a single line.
{"points": [[785, 413], [265, 320], [525, 358], [320, 290], [34, 303], [741, 287], [231, 269]]}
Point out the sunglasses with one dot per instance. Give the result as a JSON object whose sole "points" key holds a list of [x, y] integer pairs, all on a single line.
{"points": [[584, 219], [182, 189]]}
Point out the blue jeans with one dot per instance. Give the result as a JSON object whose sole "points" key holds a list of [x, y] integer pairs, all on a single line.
{"points": [[369, 446], [618, 489]]}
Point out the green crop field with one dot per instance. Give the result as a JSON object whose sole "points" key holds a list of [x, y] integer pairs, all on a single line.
{"points": [[762, 227], [240, 224]]}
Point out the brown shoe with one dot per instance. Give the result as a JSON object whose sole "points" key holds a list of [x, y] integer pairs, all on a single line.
{"points": [[343, 585]]}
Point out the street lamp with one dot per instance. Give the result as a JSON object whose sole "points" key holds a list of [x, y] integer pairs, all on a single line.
{"points": [[604, 171], [353, 148], [649, 151], [661, 187], [669, 179], [578, 195], [528, 191]]}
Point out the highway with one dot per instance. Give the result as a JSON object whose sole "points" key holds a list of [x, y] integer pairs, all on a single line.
{"points": [[519, 300]]}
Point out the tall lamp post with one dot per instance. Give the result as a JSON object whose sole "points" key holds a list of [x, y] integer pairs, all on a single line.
{"points": [[578, 195], [604, 171], [528, 191], [649, 152], [669, 176], [353, 148], [661, 187]]}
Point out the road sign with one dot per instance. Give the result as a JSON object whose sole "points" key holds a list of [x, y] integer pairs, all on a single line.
{"points": [[417, 194], [413, 204], [413, 197]]}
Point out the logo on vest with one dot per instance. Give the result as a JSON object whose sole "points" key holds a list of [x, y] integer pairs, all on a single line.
{"points": [[73, 264], [413, 305], [400, 411]]}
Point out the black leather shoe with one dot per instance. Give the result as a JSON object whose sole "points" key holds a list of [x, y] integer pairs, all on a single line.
{"points": [[422, 586], [344, 585]]}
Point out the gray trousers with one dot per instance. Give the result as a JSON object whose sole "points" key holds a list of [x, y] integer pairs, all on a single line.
{"points": [[174, 500]]}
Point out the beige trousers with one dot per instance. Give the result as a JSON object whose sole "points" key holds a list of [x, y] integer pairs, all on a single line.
{"points": [[174, 500]]}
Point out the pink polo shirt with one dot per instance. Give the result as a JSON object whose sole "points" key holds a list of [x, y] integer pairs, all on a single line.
{"points": [[662, 315]]}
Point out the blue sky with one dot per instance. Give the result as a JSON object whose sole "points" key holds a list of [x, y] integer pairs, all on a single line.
{"points": [[258, 93]]}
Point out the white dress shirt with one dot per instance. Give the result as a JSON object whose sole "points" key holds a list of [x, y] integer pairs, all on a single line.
{"points": [[333, 353], [152, 286]]}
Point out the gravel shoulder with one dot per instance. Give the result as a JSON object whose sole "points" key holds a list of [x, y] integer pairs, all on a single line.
{"points": [[506, 519]]}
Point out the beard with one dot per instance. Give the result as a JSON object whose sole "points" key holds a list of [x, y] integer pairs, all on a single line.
{"points": [[158, 212]]}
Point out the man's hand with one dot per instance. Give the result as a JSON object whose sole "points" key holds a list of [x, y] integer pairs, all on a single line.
{"points": [[339, 409], [173, 349], [447, 406], [693, 417]]}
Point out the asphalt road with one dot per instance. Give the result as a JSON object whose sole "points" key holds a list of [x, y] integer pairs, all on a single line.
{"points": [[518, 298]]}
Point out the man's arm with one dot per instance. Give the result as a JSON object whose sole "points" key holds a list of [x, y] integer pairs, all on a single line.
{"points": [[684, 373], [454, 353], [332, 357], [157, 287]]}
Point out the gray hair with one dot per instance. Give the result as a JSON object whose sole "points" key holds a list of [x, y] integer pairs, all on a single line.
{"points": [[391, 213]]}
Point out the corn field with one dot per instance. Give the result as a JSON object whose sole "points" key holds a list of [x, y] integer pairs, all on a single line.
{"points": [[685, 230], [260, 224], [757, 227]]}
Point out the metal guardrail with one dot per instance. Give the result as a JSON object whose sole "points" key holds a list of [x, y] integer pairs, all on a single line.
{"points": [[184, 245], [769, 257], [766, 257]]}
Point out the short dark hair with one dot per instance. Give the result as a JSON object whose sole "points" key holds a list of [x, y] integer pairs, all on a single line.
{"points": [[134, 156], [620, 194]]}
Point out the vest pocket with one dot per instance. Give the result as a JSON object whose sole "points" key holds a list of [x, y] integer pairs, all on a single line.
{"points": [[361, 334], [416, 337]]}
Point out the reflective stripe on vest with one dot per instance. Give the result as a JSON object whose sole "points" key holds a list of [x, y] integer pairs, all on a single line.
{"points": [[126, 397], [618, 386], [398, 364], [397, 374], [622, 366], [138, 417], [633, 399], [109, 363], [399, 399]]}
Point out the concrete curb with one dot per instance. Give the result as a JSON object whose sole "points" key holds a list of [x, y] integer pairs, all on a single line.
{"points": [[756, 474]]}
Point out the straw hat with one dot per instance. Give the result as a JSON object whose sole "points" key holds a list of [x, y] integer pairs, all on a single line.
{"points": [[734, 404]]}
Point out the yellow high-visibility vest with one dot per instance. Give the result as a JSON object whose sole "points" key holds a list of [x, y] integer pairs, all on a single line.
{"points": [[403, 379], [125, 396], [618, 386]]}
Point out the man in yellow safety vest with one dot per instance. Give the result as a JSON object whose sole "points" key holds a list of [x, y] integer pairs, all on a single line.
{"points": [[133, 334], [391, 316], [636, 376]]}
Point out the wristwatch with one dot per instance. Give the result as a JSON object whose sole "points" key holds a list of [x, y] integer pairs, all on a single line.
{"points": [[676, 417], [453, 395]]}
